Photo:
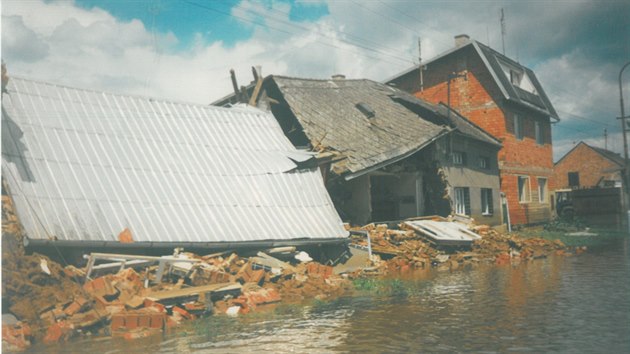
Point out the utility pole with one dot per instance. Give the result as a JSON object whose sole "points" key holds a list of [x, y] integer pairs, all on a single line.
{"points": [[605, 139]]}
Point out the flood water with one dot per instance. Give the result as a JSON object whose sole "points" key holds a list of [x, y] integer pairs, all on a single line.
{"points": [[578, 304]]}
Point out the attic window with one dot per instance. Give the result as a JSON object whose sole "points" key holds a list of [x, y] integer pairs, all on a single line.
{"points": [[365, 109], [518, 77], [515, 77]]}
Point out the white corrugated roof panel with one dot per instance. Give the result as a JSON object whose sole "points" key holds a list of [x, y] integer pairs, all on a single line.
{"points": [[84, 165]]}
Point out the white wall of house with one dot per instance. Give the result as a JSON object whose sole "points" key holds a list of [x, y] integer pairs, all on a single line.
{"points": [[469, 172]]}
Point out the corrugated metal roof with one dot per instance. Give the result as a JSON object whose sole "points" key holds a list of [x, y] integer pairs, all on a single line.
{"points": [[328, 113], [83, 165]]}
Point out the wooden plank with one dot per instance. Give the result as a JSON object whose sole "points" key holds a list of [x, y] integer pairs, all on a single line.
{"points": [[197, 290], [252, 100]]}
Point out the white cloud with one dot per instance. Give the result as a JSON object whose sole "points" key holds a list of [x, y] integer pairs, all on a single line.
{"points": [[61, 42], [20, 42]]}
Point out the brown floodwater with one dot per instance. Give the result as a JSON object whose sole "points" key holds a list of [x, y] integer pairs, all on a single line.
{"points": [[578, 304]]}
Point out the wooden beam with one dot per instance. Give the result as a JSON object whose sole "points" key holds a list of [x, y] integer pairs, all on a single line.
{"points": [[196, 290], [254, 98]]}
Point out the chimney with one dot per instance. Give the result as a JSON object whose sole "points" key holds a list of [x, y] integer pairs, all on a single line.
{"points": [[339, 77], [5, 77], [461, 39]]}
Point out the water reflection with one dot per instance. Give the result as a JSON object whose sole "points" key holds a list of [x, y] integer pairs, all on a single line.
{"points": [[574, 304]]}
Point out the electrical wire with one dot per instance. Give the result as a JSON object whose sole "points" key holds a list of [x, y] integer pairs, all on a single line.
{"points": [[377, 51]]}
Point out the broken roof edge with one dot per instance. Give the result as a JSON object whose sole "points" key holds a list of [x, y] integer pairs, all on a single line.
{"points": [[360, 173], [28, 242], [241, 108]]}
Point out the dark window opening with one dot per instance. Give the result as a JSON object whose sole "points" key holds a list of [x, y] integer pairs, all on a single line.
{"points": [[486, 201], [574, 179]]}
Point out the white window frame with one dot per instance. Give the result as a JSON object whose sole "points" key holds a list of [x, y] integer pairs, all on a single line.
{"points": [[539, 133], [527, 185], [459, 158], [486, 201], [460, 200], [543, 194]]}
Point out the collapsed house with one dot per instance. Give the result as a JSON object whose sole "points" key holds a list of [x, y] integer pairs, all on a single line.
{"points": [[392, 155], [83, 166]]}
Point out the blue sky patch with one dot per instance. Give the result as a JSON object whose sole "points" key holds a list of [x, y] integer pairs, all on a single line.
{"points": [[184, 18]]}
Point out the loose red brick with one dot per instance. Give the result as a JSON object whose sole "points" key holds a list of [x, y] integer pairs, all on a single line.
{"points": [[118, 322], [144, 321], [153, 304], [131, 321], [17, 336], [182, 312], [158, 320], [59, 331]]}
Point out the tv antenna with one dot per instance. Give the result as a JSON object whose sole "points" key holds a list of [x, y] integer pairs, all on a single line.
{"points": [[503, 31]]}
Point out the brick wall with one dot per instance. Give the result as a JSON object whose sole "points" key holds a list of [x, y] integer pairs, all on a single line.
{"points": [[590, 165], [478, 98]]}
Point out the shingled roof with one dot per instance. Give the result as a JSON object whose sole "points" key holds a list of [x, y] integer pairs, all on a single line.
{"points": [[361, 119]]}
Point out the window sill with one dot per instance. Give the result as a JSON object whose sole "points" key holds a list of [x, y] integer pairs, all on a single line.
{"points": [[486, 214]]}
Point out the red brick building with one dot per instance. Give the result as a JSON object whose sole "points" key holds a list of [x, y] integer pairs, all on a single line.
{"points": [[587, 166], [504, 98]]}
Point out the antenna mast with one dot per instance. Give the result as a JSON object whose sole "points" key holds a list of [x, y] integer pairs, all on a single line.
{"points": [[420, 63], [605, 139], [503, 30]]}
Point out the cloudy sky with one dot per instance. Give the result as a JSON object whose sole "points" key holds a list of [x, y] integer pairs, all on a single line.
{"points": [[183, 49]]}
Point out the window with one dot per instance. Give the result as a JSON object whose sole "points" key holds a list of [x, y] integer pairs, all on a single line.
{"points": [[486, 201], [539, 134], [462, 200], [518, 127], [574, 179], [542, 190], [484, 162], [524, 194], [515, 77], [459, 158]]}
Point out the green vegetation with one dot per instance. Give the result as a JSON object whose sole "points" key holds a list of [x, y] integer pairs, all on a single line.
{"points": [[385, 287], [573, 232]]}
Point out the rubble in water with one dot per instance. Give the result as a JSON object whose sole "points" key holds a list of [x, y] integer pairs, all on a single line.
{"points": [[55, 304], [405, 248]]}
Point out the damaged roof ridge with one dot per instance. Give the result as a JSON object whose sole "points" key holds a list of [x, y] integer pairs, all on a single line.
{"points": [[295, 78]]}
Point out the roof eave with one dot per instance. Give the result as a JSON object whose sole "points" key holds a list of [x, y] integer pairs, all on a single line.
{"points": [[385, 163], [170, 245]]}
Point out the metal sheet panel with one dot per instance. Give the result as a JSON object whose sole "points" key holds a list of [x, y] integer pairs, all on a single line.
{"points": [[83, 165], [444, 232]]}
